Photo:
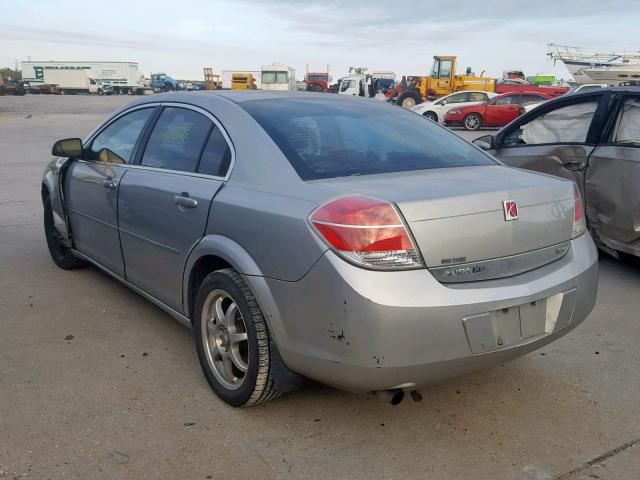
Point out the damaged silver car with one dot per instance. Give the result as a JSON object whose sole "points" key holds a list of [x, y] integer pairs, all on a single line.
{"points": [[592, 138], [306, 235]]}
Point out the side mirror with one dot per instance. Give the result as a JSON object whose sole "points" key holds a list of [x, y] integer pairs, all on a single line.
{"points": [[69, 147], [444, 102], [486, 142]]}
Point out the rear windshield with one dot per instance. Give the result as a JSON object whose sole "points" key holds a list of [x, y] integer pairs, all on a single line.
{"points": [[329, 138]]}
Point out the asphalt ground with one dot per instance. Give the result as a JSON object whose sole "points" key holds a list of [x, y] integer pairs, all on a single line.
{"points": [[98, 383]]}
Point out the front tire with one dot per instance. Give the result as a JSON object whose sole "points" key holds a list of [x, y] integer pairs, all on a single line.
{"points": [[408, 99], [431, 116], [232, 340], [473, 121], [60, 253]]}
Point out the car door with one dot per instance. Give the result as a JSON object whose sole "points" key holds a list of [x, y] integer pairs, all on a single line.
{"points": [[91, 188], [555, 138], [612, 183], [164, 201], [502, 110]]}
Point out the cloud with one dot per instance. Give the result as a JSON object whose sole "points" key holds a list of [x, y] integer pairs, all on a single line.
{"points": [[400, 36]]}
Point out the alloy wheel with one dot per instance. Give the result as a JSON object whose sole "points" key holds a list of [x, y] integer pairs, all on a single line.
{"points": [[224, 334], [472, 122]]}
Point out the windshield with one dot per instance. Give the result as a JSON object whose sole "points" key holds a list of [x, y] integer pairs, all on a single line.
{"points": [[275, 77], [317, 77], [326, 139]]}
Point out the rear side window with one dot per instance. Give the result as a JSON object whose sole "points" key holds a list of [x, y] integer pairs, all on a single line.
{"points": [[177, 140], [120, 136], [531, 99], [325, 138], [216, 156], [628, 130], [477, 97]]}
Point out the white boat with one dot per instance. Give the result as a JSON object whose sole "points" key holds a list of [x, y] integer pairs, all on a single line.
{"points": [[614, 74], [612, 68]]}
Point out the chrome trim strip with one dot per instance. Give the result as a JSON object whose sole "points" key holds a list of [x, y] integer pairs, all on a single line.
{"points": [[344, 225], [89, 217], [174, 313], [149, 241], [500, 267], [188, 106]]}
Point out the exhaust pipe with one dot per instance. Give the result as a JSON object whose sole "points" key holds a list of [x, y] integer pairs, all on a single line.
{"points": [[394, 397]]}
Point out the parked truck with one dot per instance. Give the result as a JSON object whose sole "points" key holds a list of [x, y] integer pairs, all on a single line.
{"points": [[161, 82], [71, 82], [277, 76], [243, 81], [10, 86], [123, 77], [361, 83], [317, 81]]}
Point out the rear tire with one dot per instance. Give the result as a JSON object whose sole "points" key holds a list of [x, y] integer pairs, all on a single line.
{"points": [[60, 253], [473, 121], [231, 336], [431, 116]]}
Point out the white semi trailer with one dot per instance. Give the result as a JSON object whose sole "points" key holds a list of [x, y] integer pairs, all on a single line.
{"points": [[124, 77]]}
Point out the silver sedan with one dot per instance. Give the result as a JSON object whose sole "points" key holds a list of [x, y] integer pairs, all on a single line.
{"points": [[309, 235]]}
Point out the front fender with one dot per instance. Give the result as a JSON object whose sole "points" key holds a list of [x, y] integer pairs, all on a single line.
{"points": [[52, 182], [236, 256]]}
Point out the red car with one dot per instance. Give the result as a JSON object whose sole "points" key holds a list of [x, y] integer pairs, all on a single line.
{"points": [[496, 112]]}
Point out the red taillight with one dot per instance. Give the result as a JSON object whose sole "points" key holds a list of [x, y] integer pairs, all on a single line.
{"points": [[579, 221], [366, 231]]}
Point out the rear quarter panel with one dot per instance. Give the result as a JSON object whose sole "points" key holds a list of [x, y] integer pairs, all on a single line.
{"points": [[272, 228]]}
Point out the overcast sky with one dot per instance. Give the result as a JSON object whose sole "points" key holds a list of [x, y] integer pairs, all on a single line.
{"points": [[182, 37]]}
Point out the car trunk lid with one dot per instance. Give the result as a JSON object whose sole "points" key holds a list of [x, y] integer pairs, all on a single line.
{"points": [[457, 215]]}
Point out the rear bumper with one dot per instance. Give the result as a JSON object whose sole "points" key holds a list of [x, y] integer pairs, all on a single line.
{"points": [[363, 330]]}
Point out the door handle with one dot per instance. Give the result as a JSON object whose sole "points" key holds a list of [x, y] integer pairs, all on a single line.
{"points": [[109, 185], [183, 200]]}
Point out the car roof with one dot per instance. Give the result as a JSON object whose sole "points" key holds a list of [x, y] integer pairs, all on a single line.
{"points": [[603, 90], [525, 92], [240, 96]]}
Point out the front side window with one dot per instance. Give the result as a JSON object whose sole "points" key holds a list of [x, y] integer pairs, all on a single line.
{"points": [[628, 128], [445, 69], [567, 124], [120, 137], [177, 140], [326, 139], [508, 100], [347, 84], [275, 77]]}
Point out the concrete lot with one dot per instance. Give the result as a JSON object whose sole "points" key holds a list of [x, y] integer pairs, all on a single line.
{"points": [[96, 382]]}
